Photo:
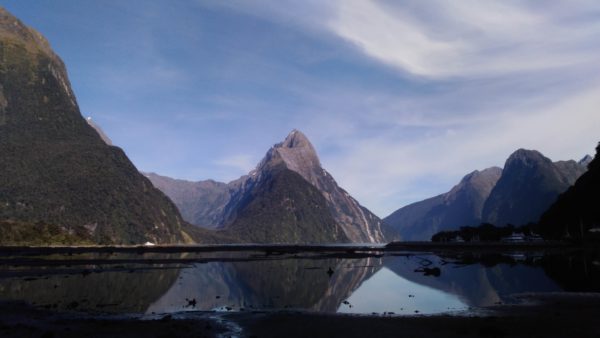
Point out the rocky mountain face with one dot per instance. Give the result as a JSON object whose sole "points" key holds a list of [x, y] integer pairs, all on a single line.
{"points": [[289, 197], [517, 194], [297, 154], [577, 210], [460, 206], [530, 183], [55, 168]]}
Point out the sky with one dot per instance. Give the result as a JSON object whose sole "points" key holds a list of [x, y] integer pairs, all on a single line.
{"points": [[401, 99]]}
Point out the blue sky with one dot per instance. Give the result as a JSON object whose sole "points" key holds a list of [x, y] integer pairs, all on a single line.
{"points": [[400, 99]]}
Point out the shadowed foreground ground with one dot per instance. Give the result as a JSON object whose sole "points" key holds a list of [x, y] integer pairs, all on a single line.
{"points": [[552, 315]]}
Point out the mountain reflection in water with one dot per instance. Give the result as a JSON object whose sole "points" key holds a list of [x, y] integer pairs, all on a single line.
{"points": [[400, 283], [272, 284]]}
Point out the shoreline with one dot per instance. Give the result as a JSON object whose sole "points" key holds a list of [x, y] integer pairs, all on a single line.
{"points": [[292, 248]]}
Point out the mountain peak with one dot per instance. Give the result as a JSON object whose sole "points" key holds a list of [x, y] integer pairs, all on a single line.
{"points": [[25, 43], [295, 139], [525, 153], [529, 184], [298, 154], [526, 157], [14, 30]]}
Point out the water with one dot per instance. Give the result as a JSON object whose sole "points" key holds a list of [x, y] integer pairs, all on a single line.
{"points": [[363, 283]]}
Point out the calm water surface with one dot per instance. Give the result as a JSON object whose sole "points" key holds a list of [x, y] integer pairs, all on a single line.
{"points": [[399, 283]]}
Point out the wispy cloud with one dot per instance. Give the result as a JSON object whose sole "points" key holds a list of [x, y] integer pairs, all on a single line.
{"points": [[465, 84], [401, 99], [464, 38], [387, 171]]}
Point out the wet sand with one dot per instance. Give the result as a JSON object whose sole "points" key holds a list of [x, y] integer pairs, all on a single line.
{"points": [[543, 315]]}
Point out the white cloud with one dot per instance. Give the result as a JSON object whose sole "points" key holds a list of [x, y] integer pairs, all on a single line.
{"points": [[505, 75], [394, 40], [386, 172], [465, 83], [464, 38]]}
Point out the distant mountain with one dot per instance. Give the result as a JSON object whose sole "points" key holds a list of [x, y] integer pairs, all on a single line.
{"points": [[200, 203], [577, 210], [529, 184], [289, 197], [517, 194], [462, 205], [55, 168]]}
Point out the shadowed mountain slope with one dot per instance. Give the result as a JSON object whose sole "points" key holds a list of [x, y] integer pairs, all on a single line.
{"points": [[200, 203], [55, 168], [530, 183], [517, 194], [577, 210]]}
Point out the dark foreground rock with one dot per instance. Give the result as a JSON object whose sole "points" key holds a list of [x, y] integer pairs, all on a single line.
{"points": [[19, 320], [549, 315]]}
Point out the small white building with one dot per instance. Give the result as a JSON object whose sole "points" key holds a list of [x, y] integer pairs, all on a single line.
{"points": [[516, 237]]}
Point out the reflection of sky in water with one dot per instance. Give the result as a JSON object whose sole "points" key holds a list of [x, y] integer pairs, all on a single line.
{"points": [[387, 292], [401, 284]]}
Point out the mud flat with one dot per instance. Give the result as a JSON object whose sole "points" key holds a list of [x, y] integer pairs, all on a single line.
{"points": [[541, 315], [548, 315]]}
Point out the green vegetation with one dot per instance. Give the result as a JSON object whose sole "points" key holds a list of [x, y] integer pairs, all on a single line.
{"points": [[285, 208], [30, 234], [55, 169]]}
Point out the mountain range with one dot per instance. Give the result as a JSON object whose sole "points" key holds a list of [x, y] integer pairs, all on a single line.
{"points": [[63, 181], [529, 184], [517, 194], [289, 197], [462, 205]]}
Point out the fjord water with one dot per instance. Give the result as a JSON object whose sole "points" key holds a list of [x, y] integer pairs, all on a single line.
{"points": [[399, 283]]}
